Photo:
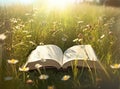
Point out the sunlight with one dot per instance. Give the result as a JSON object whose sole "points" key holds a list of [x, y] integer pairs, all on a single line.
{"points": [[61, 4], [26, 1], [7, 2]]}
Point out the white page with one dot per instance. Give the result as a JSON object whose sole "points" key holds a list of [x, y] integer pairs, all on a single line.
{"points": [[75, 52], [90, 53], [46, 52]]}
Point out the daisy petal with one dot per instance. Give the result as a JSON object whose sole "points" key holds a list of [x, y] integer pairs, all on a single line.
{"points": [[43, 77]]}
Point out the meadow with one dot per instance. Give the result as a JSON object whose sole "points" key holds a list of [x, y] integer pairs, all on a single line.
{"points": [[26, 27]]}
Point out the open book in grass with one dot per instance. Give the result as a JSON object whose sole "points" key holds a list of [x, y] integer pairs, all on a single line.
{"points": [[52, 56]]}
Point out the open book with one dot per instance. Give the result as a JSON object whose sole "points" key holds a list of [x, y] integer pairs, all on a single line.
{"points": [[52, 56]]}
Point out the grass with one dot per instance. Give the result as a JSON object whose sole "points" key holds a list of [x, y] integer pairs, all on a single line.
{"points": [[27, 27]]}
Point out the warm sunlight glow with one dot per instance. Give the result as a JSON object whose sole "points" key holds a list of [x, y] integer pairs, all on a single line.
{"points": [[61, 4], [9, 2], [26, 1]]}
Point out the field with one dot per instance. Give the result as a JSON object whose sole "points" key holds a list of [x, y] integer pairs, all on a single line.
{"points": [[23, 28]]}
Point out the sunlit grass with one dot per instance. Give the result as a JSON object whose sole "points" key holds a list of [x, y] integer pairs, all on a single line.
{"points": [[76, 24]]}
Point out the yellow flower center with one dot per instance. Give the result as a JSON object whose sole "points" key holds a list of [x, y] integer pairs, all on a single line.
{"points": [[24, 68], [13, 61], [116, 65], [65, 77]]}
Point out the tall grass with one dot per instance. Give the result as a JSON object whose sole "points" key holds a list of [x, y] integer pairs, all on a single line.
{"points": [[27, 27]]}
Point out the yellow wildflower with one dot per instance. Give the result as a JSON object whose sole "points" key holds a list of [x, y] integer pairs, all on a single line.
{"points": [[115, 66], [24, 69], [65, 77], [13, 61], [43, 77]]}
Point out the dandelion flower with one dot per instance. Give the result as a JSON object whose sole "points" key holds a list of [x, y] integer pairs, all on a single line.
{"points": [[24, 69], [38, 66], [43, 77], [115, 66], [29, 81], [13, 61], [65, 77]]}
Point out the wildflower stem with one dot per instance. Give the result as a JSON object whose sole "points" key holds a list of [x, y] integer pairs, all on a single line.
{"points": [[39, 71], [90, 71], [23, 76], [14, 70], [75, 70], [44, 69]]}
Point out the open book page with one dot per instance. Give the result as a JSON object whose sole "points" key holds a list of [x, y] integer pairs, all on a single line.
{"points": [[90, 52], [74, 52], [83, 53], [46, 54]]}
